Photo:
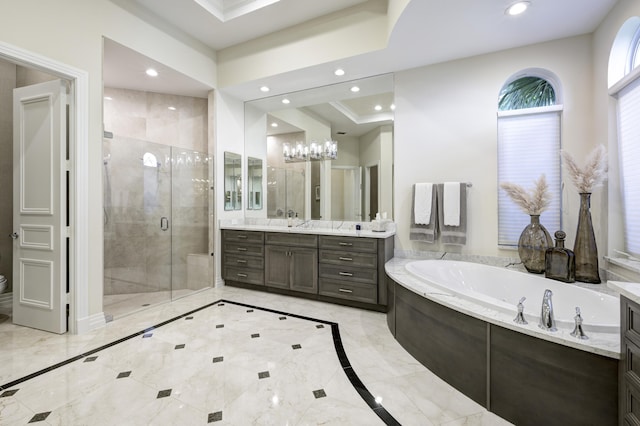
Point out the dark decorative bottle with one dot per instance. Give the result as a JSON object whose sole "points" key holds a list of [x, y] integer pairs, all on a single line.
{"points": [[533, 244], [585, 248], [560, 262]]}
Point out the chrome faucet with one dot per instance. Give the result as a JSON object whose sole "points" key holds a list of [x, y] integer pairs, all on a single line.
{"points": [[547, 322], [519, 319]]}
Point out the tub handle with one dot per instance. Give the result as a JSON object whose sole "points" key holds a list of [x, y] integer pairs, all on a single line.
{"points": [[519, 319], [578, 332]]}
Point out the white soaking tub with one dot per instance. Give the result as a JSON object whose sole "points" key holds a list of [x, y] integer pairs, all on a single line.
{"points": [[502, 288]]}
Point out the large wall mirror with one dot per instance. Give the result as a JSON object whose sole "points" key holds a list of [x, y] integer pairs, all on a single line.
{"points": [[232, 181], [328, 150]]}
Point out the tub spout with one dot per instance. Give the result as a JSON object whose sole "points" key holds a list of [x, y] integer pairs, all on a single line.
{"points": [[547, 322]]}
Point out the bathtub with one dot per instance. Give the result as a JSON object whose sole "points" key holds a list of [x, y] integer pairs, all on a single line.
{"points": [[501, 289]]}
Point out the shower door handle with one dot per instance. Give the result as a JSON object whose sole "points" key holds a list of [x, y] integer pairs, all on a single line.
{"points": [[164, 223]]}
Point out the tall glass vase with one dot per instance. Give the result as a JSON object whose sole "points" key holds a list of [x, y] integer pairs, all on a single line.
{"points": [[585, 249], [533, 244]]}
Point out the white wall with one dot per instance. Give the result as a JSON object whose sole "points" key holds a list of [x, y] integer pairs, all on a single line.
{"points": [[70, 32], [445, 130]]}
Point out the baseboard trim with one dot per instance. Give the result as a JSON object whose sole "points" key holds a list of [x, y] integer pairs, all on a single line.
{"points": [[92, 322]]}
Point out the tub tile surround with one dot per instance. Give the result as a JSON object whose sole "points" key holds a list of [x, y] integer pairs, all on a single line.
{"points": [[317, 227], [606, 344], [144, 379]]}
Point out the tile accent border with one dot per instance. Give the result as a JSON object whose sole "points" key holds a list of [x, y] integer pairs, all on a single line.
{"points": [[377, 408]]}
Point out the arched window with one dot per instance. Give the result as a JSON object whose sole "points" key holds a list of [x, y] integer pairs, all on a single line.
{"points": [[624, 83], [529, 115]]}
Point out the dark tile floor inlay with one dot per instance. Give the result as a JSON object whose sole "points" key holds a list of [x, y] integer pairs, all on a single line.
{"points": [[214, 417], [189, 318], [147, 304], [124, 374], [319, 326], [9, 393], [218, 359], [255, 335], [164, 393], [90, 359], [180, 346], [220, 304], [263, 375], [146, 335], [320, 393], [296, 346], [39, 417], [219, 325], [249, 310], [282, 318]]}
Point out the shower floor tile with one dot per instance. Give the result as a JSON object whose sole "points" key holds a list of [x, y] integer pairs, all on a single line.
{"points": [[190, 371]]}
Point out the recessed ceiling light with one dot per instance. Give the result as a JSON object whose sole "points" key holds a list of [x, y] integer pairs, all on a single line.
{"points": [[151, 72], [378, 108], [172, 108], [517, 8], [339, 72], [264, 89], [286, 101], [393, 107], [274, 124], [355, 89]]}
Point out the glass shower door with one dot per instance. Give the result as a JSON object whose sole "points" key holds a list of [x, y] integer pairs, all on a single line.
{"points": [[190, 222], [137, 237]]}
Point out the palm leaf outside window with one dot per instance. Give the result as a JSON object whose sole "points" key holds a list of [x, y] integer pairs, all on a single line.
{"points": [[526, 92]]}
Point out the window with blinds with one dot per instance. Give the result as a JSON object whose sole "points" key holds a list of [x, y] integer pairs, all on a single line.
{"points": [[629, 146], [528, 146]]}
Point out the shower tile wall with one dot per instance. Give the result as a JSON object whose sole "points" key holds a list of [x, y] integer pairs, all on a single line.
{"points": [[138, 254]]}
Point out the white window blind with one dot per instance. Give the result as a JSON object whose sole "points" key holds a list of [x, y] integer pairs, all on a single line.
{"points": [[629, 144], [528, 146]]}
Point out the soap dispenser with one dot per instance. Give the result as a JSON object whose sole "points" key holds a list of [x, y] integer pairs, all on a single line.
{"points": [[289, 220], [560, 262]]}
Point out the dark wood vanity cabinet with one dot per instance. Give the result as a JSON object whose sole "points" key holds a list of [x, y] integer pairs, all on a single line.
{"points": [[347, 270], [291, 261], [629, 362], [243, 256]]}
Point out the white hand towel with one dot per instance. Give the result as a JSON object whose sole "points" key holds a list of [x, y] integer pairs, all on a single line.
{"points": [[451, 203], [422, 203]]}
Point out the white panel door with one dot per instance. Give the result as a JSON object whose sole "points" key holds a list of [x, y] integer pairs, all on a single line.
{"points": [[39, 210]]}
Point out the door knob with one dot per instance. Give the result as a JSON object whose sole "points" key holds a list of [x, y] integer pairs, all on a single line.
{"points": [[14, 235]]}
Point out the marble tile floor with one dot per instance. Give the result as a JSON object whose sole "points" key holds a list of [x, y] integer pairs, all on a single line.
{"points": [[255, 358], [119, 305]]}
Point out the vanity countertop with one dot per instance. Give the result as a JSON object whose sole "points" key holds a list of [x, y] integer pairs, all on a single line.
{"points": [[607, 344], [312, 227], [629, 290]]}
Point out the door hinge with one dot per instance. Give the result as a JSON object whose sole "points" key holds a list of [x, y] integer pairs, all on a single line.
{"points": [[67, 165], [68, 298], [68, 231]]}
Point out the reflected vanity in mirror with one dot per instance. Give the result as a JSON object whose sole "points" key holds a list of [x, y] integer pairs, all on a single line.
{"points": [[328, 150], [254, 183], [232, 181]]}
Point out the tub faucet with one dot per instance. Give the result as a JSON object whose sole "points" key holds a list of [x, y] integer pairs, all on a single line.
{"points": [[547, 322]]}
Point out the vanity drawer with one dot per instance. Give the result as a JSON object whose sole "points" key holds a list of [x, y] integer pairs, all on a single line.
{"points": [[349, 273], [244, 275], [360, 292], [243, 248], [251, 237], [242, 261], [348, 258], [291, 239], [367, 245]]}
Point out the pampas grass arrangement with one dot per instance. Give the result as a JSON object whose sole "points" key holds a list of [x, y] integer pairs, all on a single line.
{"points": [[592, 174], [532, 202]]}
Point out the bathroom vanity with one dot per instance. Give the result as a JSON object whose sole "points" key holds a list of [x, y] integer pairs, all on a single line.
{"points": [[331, 264]]}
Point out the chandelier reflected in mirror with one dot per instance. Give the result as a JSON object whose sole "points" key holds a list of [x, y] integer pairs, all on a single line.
{"points": [[300, 151]]}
